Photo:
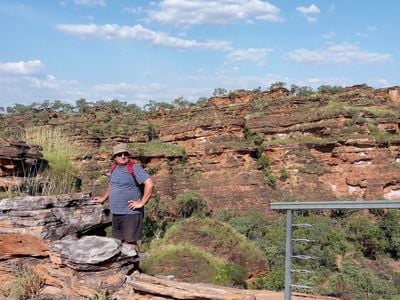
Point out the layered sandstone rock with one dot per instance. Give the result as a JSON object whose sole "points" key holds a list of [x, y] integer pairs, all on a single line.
{"points": [[51, 217], [18, 163], [306, 140]]}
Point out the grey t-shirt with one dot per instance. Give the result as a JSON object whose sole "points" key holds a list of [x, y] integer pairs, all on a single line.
{"points": [[125, 187]]}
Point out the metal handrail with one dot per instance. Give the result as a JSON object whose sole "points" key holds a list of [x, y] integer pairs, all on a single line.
{"points": [[292, 206]]}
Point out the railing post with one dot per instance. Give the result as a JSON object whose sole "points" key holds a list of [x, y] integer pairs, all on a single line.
{"points": [[288, 255]]}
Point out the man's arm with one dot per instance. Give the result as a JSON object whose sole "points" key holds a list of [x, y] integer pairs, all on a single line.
{"points": [[148, 191], [104, 198]]}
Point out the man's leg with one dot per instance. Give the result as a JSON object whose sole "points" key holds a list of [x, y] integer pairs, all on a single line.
{"points": [[133, 226], [117, 227]]}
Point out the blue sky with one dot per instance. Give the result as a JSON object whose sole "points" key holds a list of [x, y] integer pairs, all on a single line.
{"points": [[137, 51]]}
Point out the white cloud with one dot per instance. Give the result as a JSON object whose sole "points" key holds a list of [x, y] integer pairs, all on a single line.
{"points": [[250, 54], [310, 13], [49, 82], [91, 2], [329, 35], [383, 82], [312, 19], [132, 10], [312, 9], [138, 32], [27, 89], [116, 88], [22, 68], [338, 54], [195, 12], [360, 34]]}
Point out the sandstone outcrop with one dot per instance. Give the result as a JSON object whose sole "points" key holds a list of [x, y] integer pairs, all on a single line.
{"points": [[330, 145], [18, 162]]}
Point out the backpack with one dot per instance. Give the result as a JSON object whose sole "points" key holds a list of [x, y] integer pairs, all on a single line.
{"points": [[130, 167]]}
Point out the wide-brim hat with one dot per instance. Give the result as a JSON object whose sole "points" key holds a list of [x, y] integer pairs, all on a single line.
{"points": [[120, 148]]}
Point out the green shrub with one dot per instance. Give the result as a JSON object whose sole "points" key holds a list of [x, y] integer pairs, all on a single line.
{"points": [[231, 274], [329, 241], [152, 169], [357, 282], [26, 285], [389, 225], [191, 204], [263, 162], [155, 220], [367, 236], [101, 295], [271, 180], [152, 133], [274, 280], [284, 174], [252, 225]]}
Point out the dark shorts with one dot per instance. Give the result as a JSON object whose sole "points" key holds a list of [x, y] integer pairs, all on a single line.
{"points": [[127, 228]]}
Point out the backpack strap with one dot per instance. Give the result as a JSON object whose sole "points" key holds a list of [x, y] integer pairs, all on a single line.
{"points": [[113, 166], [130, 167]]}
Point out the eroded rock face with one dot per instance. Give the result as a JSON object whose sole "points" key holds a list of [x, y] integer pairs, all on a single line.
{"points": [[18, 161], [51, 217], [221, 143]]}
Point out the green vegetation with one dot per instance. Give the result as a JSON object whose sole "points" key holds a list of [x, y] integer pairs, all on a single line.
{"points": [[26, 285], [278, 84], [264, 164], [101, 295], [345, 247], [220, 92], [191, 204], [193, 264], [58, 150], [231, 275], [360, 283], [155, 220], [157, 147], [216, 253]]}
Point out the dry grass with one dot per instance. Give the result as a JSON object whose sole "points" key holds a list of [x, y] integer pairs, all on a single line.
{"points": [[58, 150]]}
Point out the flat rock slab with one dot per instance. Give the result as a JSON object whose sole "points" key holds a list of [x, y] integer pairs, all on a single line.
{"points": [[93, 253], [88, 249]]}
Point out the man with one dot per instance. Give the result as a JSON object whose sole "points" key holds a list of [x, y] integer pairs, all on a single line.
{"points": [[126, 196]]}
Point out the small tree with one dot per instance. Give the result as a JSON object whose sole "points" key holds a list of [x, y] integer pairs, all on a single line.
{"points": [[278, 84], [82, 105], [219, 92], [181, 102], [304, 91]]}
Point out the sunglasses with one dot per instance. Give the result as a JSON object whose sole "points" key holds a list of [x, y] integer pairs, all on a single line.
{"points": [[126, 154]]}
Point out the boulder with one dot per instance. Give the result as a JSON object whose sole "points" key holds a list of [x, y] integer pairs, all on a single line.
{"points": [[20, 159]]}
